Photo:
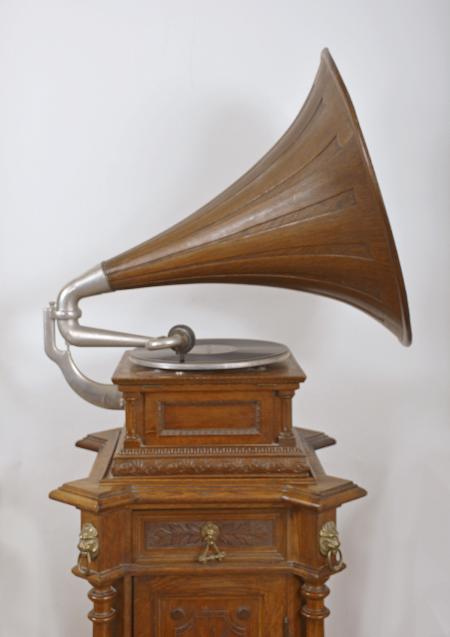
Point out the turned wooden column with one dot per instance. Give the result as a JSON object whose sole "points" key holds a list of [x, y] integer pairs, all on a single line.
{"points": [[314, 612], [103, 613], [286, 436], [132, 439]]}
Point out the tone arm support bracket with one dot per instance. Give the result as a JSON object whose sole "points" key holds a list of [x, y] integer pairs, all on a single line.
{"points": [[66, 313]]}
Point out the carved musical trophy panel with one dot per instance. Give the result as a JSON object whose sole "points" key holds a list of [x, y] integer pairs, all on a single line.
{"points": [[209, 605], [210, 617]]}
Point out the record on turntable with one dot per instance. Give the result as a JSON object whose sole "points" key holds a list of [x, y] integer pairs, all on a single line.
{"points": [[214, 354]]}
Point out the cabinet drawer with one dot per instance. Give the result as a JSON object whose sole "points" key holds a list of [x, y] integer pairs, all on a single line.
{"points": [[178, 536]]}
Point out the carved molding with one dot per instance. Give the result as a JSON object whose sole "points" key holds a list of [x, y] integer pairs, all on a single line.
{"points": [[254, 450], [213, 465], [239, 460]]}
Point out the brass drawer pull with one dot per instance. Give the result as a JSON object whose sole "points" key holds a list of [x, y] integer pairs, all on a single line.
{"points": [[88, 546], [211, 552]]}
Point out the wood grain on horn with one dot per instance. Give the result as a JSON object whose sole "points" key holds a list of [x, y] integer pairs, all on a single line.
{"points": [[308, 216]]}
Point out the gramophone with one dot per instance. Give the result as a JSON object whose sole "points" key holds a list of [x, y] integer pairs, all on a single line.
{"points": [[209, 511]]}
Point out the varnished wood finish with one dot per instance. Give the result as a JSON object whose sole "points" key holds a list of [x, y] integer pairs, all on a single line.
{"points": [[308, 216], [147, 579], [201, 423]]}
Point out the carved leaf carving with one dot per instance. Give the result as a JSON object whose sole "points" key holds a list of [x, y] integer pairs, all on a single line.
{"points": [[194, 466], [188, 534]]}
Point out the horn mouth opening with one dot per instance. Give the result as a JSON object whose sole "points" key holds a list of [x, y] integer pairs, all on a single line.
{"points": [[404, 334]]}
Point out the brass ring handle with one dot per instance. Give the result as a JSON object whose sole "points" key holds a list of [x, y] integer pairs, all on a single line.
{"points": [[84, 570], [334, 560], [211, 552], [329, 545], [88, 547]]}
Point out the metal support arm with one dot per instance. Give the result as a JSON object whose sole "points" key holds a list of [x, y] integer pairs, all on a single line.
{"points": [[66, 313], [102, 395]]}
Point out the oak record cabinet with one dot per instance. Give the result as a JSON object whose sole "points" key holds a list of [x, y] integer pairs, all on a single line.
{"points": [[208, 514]]}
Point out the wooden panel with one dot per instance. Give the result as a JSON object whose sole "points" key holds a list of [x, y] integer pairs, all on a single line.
{"points": [[213, 616], [243, 535], [210, 417], [207, 417], [214, 606]]}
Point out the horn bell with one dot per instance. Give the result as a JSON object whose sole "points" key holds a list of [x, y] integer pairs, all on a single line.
{"points": [[308, 216]]}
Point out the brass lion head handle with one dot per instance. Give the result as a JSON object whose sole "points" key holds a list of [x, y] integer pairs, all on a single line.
{"points": [[210, 535], [88, 546], [330, 546]]}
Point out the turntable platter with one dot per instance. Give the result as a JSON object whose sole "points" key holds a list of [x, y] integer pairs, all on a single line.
{"points": [[210, 354]]}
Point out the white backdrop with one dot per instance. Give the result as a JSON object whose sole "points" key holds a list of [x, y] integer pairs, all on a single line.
{"points": [[120, 118]]}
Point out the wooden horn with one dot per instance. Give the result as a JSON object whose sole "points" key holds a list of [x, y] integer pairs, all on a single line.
{"points": [[308, 216]]}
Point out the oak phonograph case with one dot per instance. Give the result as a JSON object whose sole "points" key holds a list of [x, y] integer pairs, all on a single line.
{"points": [[209, 513]]}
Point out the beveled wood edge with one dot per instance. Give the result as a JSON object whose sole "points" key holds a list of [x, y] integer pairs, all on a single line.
{"points": [[92, 442], [287, 567], [307, 444], [104, 443], [327, 492], [317, 439], [100, 492], [287, 373]]}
